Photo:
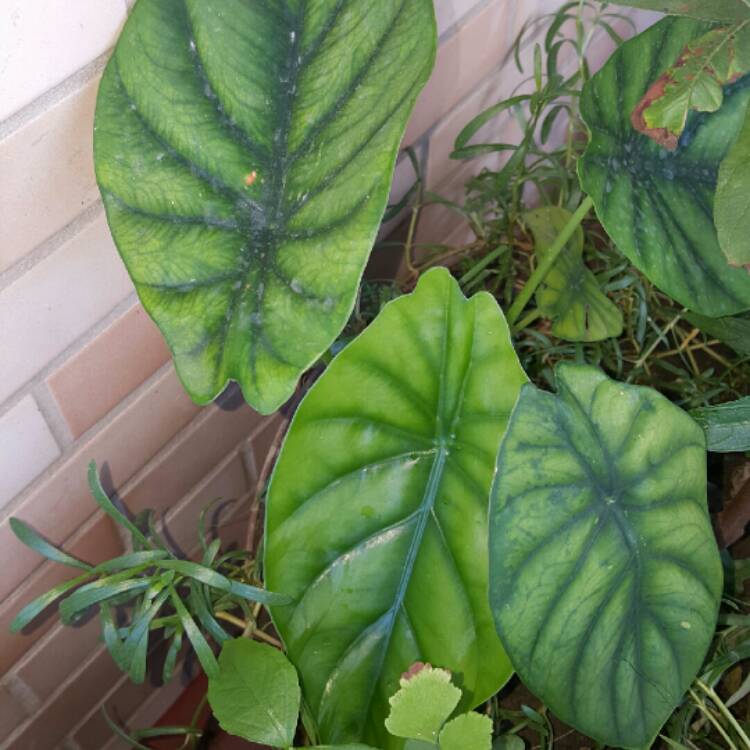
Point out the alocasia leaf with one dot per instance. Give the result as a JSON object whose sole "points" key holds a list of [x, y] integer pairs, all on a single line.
{"points": [[470, 731], [422, 704], [244, 150], [732, 205], [570, 295], [727, 426], [657, 205], [734, 332], [695, 81], [605, 576], [376, 519], [256, 693], [709, 10]]}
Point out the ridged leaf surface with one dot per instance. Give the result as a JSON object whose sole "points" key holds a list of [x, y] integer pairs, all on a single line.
{"points": [[605, 576], [377, 510], [658, 205], [244, 150]]}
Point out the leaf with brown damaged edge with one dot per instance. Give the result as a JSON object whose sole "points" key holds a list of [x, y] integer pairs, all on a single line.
{"points": [[708, 10], [694, 82]]}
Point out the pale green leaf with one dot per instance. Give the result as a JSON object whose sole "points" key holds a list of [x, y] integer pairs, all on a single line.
{"points": [[508, 742], [605, 576], [657, 205], [470, 731], [423, 703], [377, 510], [570, 295], [256, 693], [244, 150]]}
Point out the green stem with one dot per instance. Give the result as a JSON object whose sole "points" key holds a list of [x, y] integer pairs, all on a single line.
{"points": [[478, 267], [550, 257], [719, 703]]}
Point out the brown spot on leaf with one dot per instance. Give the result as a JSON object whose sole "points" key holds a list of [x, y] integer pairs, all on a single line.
{"points": [[661, 135], [414, 670], [251, 178]]}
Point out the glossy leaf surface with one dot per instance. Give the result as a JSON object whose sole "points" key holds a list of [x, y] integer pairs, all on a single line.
{"points": [[570, 295], [605, 576], [658, 205], [710, 10], [255, 694], [727, 426], [377, 509], [732, 207], [244, 150]]}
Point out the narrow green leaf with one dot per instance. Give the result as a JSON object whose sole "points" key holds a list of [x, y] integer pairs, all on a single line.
{"points": [[171, 658], [206, 618], [732, 205], [111, 637], [470, 731], [135, 647], [423, 703], [657, 205], [244, 152], [377, 510], [570, 295], [200, 645], [99, 591], [482, 119], [132, 560], [216, 580], [256, 693], [103, 501], [727, 426], [34, 608], [605, 576], [30, 538]]}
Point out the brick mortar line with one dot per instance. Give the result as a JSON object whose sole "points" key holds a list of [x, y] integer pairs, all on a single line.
{"points": [[53, 96]]}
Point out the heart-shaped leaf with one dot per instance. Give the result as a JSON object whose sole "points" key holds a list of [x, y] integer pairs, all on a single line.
{"points": [[570, 295], [658, 205], [244, 150], [255, 694], [377, 509], [710, 10], [605, 577]]}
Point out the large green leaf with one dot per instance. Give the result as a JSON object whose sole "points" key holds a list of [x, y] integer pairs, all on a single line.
{"points": [[570, 294], [734, 332], [732, 209], [244, 150], [605, 577], [727, 426], [255, 694], [658, 205], [711, 10], [377, 510]]}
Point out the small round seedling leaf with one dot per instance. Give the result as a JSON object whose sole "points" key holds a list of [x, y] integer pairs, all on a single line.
{"points": [[244, 150], [605, 576], [423, 703], [256, 693], [470, 731], [658, 205], [376, 519], [570, 295]]}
